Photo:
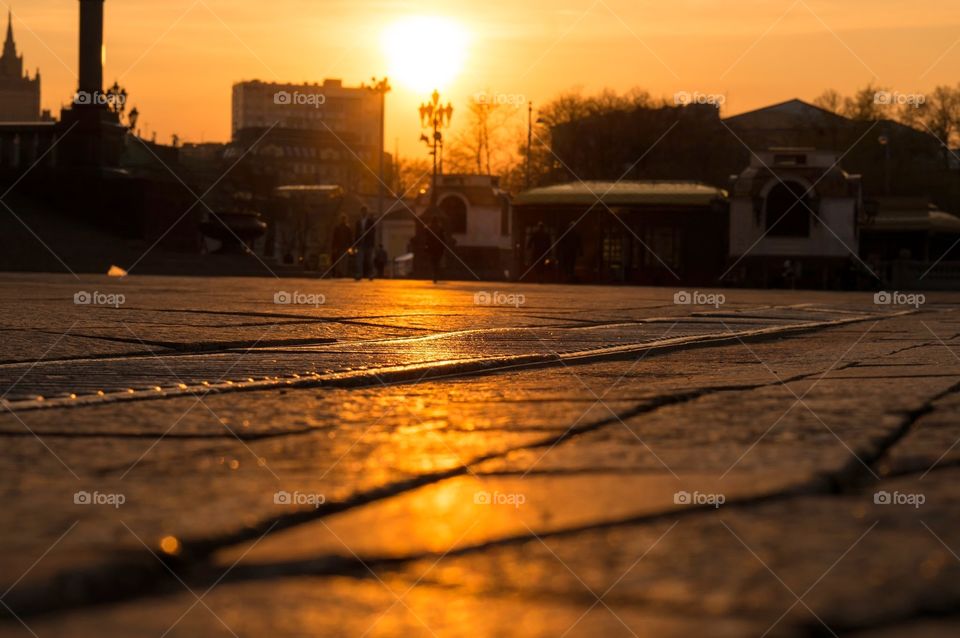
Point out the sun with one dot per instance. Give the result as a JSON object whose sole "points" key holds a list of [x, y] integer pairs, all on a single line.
{"points": [[425, 52]]}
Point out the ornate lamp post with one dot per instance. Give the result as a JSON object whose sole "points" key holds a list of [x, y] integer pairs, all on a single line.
{"points": [[434, 116], [133, 118], [381, 87], [117, 100], [884, 141], [526, 170]]}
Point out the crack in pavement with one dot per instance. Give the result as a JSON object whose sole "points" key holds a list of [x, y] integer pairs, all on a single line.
{"points": [[137, 575], [448, 369]]}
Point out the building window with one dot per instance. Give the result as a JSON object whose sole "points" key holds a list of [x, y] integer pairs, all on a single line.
{"points": [[662, 246], [455, 211], [790, 159], [788, 211]]}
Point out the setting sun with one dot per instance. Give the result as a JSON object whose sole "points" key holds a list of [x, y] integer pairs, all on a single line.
{"points": [[425, 52]]}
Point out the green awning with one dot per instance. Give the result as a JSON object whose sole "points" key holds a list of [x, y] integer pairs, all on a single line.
{"points": [[625, 193]]}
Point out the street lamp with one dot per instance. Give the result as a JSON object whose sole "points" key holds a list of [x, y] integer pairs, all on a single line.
{"points": [[132, 118], [530, 122], [117, 100], [434, 116], [884, 142], [381, 87]]}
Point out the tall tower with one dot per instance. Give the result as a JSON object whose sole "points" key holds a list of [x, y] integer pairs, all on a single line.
{"points": [[19, 93], [92, 134], [11, 64], [91, 46]]}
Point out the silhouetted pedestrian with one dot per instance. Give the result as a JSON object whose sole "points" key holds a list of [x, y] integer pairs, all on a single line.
{"points": [[790, 274], [341, 240], [435, 241], [366, 238], [380, 260], [539, 246]]}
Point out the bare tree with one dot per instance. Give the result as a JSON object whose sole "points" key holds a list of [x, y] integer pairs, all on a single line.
{"points": [[480, 145], [864, 105], [939, 114], [830, 100], [412, 175]]}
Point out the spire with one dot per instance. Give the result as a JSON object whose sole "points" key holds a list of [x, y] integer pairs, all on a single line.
{"points": [[9, 46]]}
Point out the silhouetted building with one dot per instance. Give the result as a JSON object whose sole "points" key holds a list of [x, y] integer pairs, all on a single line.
{"points": [[776, 154], [312, 133], [693, 143], [664, 143], [477, 216], [794, 219], [893, 159], [643, 232], [912, 244], [19, 93], [328, 106], [297, 157]]}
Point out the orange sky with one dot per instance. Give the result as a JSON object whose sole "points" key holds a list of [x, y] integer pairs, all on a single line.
{"points": [[178, 58]]}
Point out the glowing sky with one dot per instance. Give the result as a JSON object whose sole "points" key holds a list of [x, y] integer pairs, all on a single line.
{"points": [[178, 58]]}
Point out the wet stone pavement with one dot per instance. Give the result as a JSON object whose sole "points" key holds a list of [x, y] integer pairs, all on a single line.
{"points": [[187, 457]]}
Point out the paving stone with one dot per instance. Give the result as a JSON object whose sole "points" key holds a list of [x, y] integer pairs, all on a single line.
{"points": [[498, 467]]}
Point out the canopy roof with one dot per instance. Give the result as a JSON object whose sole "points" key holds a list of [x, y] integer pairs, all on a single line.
{"points": [[906, 214], [623, 193], [935, 221], [308, 188]]}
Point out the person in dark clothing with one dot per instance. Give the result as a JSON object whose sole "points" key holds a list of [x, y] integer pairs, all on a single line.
{"points": [[380, 260], [568, 249], [539, 246], [366, 238], [435, 244], [339, 247]]}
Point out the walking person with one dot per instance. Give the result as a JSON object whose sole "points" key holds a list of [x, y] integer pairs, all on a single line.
{"points": [[435, 245], [341, 240], [380, 260], [366, 238]]}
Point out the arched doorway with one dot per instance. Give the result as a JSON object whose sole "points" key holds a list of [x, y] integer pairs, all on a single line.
{"points": [[788, 210], [455, 211]]}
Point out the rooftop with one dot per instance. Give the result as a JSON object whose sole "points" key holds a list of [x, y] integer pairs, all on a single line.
{"points": [[906, 214], [624, 193]]}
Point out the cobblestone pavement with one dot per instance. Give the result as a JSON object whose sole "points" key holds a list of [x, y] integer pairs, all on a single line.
{"points": [[259, 457]]}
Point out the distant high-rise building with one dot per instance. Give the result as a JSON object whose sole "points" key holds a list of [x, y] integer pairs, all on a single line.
{"points": [[317, 107], [317, 133], [19, 93]]}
